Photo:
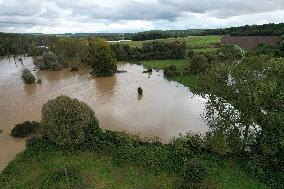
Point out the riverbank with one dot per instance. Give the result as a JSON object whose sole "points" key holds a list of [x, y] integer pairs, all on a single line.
{"points": [[47, 166], [190, 81]]}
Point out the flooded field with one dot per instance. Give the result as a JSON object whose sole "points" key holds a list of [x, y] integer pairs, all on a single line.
{"points": [[165, 109]]}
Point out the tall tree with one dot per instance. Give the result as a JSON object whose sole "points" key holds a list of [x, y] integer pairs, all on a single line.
{"points": [[101, 58]]}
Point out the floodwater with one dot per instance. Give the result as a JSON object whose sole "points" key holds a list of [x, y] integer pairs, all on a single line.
{"points": [[165, 109]]}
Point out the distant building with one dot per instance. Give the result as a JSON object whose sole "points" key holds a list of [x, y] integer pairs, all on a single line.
{"points": [[42, 47], [113, 41], [122, 40]]}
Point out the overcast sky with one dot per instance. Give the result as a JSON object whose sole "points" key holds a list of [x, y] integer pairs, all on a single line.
{"points": [[60, 16]]}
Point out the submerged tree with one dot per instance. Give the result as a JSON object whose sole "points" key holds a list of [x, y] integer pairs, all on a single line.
{"points": [[101, 58], [48, 61], [27, 76]]}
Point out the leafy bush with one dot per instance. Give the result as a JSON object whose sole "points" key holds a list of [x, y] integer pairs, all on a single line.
{"points": [[199, 64], [66, 177], [25, 129], [27, 76], [194, 171], [188, 145], [190, 52], [171, 71], [67, 121]]}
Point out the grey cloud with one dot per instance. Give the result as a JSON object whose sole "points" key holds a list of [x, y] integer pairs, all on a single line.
{"points": [[226, 8], [48, 13]]}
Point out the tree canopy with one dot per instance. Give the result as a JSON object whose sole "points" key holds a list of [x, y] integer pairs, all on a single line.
{"points": [[101, 58]]}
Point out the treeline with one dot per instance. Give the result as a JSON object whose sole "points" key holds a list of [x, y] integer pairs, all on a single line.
{"points": [[155, 50], [23, 43], [106, 36], [253, 30], [161, 34]]}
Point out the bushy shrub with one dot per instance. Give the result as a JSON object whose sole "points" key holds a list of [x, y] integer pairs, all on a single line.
{"points": [[199, 64], [25, 129], [188, 145], [27, 76], [194, 171], [190, 52], [48, 61], [67, 121], [67, 177], [171, 71]]}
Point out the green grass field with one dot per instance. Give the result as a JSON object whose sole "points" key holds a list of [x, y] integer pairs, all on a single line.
{"points": [[191, 41], [34, 169], [161, 64]]}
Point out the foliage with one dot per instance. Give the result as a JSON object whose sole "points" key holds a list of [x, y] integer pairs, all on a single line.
{"points": [[199, 64], [11, 43], [253, 30], [43, 164], [159, 34], [27, 76], [273, 51], [48, 61], [65, 177], [67, 121], [171, 71], [194, 171], [101, 58], [133, 162], [71, 49], [152, 50], [229, 52], [25, 129], [190, 52], [245, 108]]}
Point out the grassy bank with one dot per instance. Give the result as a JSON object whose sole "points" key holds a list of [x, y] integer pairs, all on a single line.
{"points": [[191, 81], [41, 169], [96, 171]]}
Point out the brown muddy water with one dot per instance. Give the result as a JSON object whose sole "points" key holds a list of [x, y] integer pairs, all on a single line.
{"points": [[165, 109]]}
